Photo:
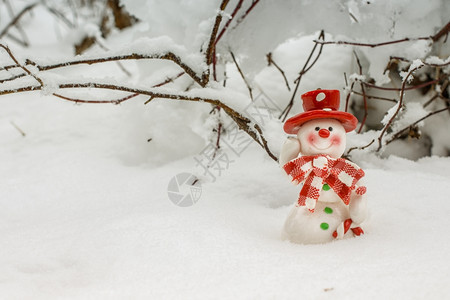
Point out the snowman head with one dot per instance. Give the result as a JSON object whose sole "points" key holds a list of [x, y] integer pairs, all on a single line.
{"points": [[322, 136]]}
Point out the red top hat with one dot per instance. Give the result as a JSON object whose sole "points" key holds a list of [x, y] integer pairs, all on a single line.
{"points": [[321, 104]]}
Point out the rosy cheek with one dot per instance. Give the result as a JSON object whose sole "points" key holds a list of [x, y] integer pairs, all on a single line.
{"points": [[336, 140], [311, 138]]}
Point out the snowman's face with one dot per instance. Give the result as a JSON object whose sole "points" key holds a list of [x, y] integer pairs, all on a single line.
{"points": [[322, 136]]}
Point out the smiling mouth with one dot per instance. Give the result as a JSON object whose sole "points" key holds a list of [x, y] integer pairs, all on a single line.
{"points": [[323, 148]]}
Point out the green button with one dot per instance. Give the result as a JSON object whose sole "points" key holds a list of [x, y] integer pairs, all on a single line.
{"points": [[325, 187], [328, 210], [324, 226]]}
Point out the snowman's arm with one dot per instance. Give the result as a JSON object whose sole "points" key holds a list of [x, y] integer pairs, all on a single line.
{"points": [[289, 151], [358, 208]]}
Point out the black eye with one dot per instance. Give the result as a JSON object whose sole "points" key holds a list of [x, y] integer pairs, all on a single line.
{"points": [[330, 128], [317, 128]]}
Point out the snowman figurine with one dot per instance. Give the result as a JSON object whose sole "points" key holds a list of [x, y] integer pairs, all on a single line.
{"points": [[331, 204]]}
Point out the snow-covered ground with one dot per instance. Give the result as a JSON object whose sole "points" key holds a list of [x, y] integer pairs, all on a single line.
{"points": [[81, 220]]}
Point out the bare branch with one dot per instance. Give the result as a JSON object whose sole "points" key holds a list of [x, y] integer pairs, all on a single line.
{"points": [[59, 15], [400, 132], [169, 80], [14, 21], [305, 69], [227, 24], [375, 97], [211, 46], [18, 129], [270, 62], [399, 89], [242, 122], [263, 142], [347, 99], [371, 45], [119, 63], [444, 31], [366, 112], [247, 12], [19, 65], [13, 78], [118, 101], [360, 148], [242, 75], [167, 56], [438, 95], [425, 63], [24, 42], [400, 103]]}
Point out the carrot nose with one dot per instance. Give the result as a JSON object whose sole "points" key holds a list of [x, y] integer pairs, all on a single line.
{"points": [[324, 133]]}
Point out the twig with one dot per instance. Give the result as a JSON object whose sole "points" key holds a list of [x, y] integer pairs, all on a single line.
{"points": [[116, 102], [399, 133], [375, 97], [219, 132], [366, 112], [353, 17], [219, 36], [444, 31], [17, 40], [21, 66], [270, 61], [305, 69], [9, 67], [438, 95], [59, 15], [227, 24], [24, 42], [13, 78], [425, 63], [360, 148], [119, 64], [400, 103], [212, 38], [219, 123], [243, 122], [431, 100], [347, 99], [169, 80], [14, 21], [242, 75], [247, 12], [399, 89], [263, 142], [18, 128], [134, 56], [373, 45]]}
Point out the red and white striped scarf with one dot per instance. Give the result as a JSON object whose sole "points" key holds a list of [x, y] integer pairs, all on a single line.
{"points": [[314, 171]]}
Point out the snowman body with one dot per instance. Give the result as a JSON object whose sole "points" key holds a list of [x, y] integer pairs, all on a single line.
{"points": [[304, 227], [321, 220]]}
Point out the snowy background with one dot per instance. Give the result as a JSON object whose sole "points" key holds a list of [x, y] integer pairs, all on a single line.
{"points": [[85, 211]]}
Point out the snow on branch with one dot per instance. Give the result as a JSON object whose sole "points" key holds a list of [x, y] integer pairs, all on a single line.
{"points": [[436, 79], [54, 86], [443, 32], [37, 73]]}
